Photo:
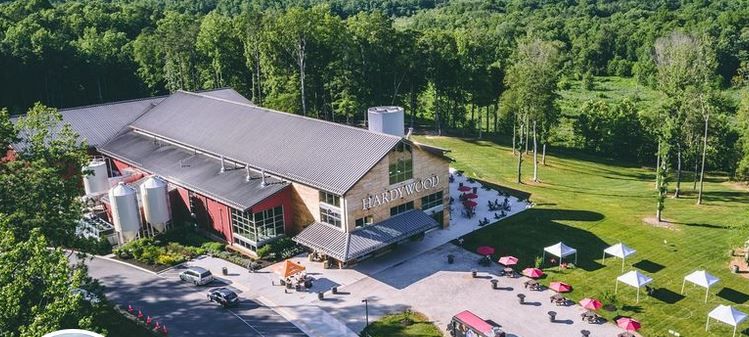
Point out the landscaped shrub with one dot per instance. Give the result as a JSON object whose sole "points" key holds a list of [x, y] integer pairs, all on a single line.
{"points": [[264, 251], [282, 248], [169, 259], [213, 247]]}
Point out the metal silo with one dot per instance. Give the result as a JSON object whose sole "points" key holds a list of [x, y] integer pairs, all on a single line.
{"points": [[125, 213], [386, 119], [97, 181], [155, 199]]}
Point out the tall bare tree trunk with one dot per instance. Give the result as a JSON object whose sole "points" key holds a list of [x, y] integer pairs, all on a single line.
{"points": [[678, 172], [513, 137], [535, 153], [696, 173], [480, 129], [543, 155], [704, 152], [520, 157], [657, 163], [527, 126], [300, 59]]}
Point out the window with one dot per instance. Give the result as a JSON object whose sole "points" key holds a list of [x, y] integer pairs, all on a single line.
{"points": [[432, 200], [330, 199], [251, 228], [401, 208], [401, 163], [401, 170], [330, 215], [365, 221]]}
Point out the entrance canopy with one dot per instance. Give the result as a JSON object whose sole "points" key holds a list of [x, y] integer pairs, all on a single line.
{"points": [[619, 250], [561, 251], [702, 279], [726, 314], [634, 279], [345, 247]]}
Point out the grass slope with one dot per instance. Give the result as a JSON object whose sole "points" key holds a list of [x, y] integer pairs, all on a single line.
{"points": [[392, 325], [591, 203]]}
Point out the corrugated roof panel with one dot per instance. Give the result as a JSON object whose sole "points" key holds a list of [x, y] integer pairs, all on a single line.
{"points": [[326, 155]]}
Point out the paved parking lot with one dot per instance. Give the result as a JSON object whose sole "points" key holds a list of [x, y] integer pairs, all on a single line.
{"points": [[183, 307]]}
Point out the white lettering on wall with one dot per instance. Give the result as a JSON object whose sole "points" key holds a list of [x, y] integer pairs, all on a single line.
{"points": [[400, 192]]}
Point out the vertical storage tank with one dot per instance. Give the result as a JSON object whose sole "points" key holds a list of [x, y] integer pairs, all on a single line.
{"points": [[155, 199], [386, 119], [125, 214], [97, 181]]}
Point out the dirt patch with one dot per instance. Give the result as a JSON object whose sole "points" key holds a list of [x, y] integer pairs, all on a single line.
{"points": [[664, 223], [743, 187], [737, 259]]}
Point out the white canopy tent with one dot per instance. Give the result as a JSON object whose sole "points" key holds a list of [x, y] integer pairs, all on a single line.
{"points": [[726, 314], [635, 279], [561, 251], [619, 250], [702, 279]]}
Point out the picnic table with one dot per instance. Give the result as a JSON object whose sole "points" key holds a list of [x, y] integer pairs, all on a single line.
{"points": [[590, 316], [532, 284], [558, 299]]}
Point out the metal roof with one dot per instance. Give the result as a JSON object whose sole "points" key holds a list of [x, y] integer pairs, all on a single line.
{"points": [[197, 172], [325, 155], [348, 246], [99, 123]]}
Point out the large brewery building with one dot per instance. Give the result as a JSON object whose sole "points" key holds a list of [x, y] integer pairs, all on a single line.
{"points": [[250, 175]]}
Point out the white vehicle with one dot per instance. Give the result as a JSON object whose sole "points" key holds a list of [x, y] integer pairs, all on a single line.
{"points": [[197, 276]]}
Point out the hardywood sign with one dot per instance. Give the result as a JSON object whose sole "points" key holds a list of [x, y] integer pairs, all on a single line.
{"points": [[400, 192]]}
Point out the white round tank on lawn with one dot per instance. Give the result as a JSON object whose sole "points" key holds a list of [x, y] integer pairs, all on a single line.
{"points": [[125, 214], [96, 181], [155, 199]]}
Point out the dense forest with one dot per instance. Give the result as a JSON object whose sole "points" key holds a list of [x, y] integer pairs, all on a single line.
{"points": [[465, 67]]}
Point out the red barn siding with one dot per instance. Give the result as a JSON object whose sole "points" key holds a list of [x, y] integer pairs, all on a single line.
{"points": [[282, 197]]}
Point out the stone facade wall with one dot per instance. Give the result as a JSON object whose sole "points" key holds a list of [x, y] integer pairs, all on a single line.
{"points": [[425, 165], [305, 203]]}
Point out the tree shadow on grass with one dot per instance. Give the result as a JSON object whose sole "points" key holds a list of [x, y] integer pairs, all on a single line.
{"points": [[732, 295], [526, 234], [649, 266]]}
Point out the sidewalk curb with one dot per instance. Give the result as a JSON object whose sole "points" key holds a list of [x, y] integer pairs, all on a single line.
{"points": [[103, 257], [306, 328]]}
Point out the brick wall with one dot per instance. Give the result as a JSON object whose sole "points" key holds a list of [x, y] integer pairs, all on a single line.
{"points": [[376, 181]]}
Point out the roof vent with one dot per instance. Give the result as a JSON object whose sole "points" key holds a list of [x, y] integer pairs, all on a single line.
{"points": [[386, 119], [222, 165], [262, 182], [247, 173]]}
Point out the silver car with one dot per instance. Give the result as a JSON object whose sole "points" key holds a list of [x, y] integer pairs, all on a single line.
{"points": [[197, 276]]}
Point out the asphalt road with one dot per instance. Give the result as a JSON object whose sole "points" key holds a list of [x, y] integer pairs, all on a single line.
{"points": [[183, 307]]}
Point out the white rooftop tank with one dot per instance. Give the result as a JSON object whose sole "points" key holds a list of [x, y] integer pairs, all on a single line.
{"points": [[97, 181], [125, 213], [386, 119], [155, 199]]}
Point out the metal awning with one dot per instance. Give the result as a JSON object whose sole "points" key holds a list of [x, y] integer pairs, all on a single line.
{"points": [[362, 241]]}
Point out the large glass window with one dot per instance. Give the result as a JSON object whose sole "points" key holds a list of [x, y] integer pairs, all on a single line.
{"points": [[432, 200], [330, 215], [252, 228], [400, 163], [401, 208], [330, 199]]}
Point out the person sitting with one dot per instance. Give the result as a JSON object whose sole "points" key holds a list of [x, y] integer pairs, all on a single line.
{"points": [[496, 215], [503, 214], [650, 291]]}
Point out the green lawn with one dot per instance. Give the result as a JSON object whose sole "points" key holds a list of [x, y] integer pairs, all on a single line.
{"points": [[590, 203], [393, 325]]}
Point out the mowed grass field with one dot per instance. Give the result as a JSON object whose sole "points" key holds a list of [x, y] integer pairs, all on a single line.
{"points": [[590, 203]]}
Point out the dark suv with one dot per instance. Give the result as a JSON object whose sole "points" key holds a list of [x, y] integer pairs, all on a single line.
{"points": [[223, 296]]}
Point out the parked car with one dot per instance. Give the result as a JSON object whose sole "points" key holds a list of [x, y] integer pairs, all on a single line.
{"points": [[197, 275], [223, 296]]}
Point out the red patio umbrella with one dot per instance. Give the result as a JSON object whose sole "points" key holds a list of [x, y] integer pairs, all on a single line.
{"points": [[628, 324], [560, 287], [472, 196], [508, 260], [485, 250], [533, 272], [464, 188], [591, 303], [470, 203]]}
